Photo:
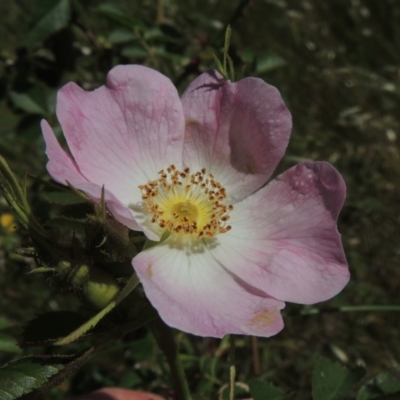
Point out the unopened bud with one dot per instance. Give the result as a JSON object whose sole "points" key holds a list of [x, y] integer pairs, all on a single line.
{"points": [[63, 268], [101, 288], [75, 274], [79, 275]]}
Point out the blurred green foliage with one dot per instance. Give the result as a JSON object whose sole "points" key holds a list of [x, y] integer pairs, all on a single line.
{"points": [[337, 64]]}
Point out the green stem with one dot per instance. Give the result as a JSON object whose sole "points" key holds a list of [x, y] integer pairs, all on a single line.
{"points": [[23, 219], [366, 308], [13, 184], [227, 43], [232, 368], [15, 195], [166, 340]]}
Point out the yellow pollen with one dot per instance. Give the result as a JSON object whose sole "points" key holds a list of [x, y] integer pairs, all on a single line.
{"points": [[187, 204]]}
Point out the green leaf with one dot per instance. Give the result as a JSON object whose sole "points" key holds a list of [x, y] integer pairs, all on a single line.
{"points": [[70, 367], [63, 198], [260, 390], [134, 52], [153, 33], [247, 55], [80, 10], [37, 375], [130, 380], [387, 382], [142, 348], [26, 102], [50, 326], [331, 381], [24, 375], [4, 323], [121, 35], [268, 61], [117, 14], [54, 16], [161, 52], [8, 344]]}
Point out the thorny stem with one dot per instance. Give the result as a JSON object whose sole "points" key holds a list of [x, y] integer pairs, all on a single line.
{"points": [[166, 341]]}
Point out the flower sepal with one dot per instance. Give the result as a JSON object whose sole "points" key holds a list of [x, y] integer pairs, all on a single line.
{"points": [[151, 243]]}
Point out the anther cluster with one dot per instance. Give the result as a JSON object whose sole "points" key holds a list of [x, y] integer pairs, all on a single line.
{"points": [[186, 203]]}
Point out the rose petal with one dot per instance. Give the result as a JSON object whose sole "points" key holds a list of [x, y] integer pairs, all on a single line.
{"points": [[284, 238], [238, 131], [113, 393], [60, 165], [118, 210], [64, 170], [194, 293], [123, 133]]}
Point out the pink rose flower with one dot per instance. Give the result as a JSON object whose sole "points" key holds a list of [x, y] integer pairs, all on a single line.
{"points": [[113, 393], [195, 167]]}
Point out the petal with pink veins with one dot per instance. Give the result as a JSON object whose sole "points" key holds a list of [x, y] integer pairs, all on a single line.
{"points": [[284, 238], [196, 294], [238, 131], [64, 170], [123, 133], [60, 165]]}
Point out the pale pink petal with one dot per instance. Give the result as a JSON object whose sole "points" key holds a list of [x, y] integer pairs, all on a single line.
{"points": [[64, 170], [120, 212], [114, 393], [123, 133], [60, 165], [284, 238], [194, 293], [238, 131]]}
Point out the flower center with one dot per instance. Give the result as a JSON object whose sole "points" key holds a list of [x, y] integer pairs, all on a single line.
{"points": [[186, 203], [185, 210]]}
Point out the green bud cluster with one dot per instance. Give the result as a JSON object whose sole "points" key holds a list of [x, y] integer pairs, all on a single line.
{"points": [[98, 286], [75, 274]]}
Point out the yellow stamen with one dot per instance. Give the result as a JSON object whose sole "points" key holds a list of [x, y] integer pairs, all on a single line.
{"points": [[188, 204]]}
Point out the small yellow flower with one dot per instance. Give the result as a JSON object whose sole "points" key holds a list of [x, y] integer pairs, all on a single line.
{"points": [[7, 222]]}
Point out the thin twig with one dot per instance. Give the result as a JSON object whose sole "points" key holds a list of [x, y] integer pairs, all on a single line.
{"points": [[160, 12], [256, 355]]}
